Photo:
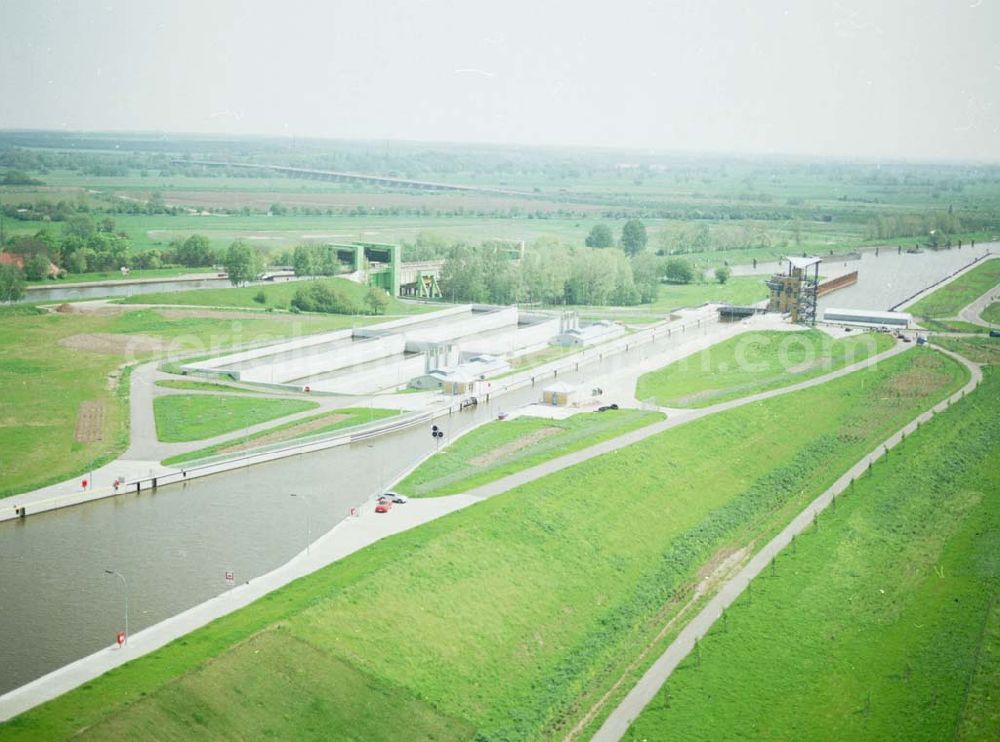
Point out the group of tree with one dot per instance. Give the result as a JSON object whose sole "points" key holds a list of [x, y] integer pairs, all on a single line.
{"points": [[889, 226], [550, 273], [316, 260], [87, 244], [11, 282], [329, 298], [633, 238]]}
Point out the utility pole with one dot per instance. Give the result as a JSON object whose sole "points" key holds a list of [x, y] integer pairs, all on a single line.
{"points": [[121, 577]]}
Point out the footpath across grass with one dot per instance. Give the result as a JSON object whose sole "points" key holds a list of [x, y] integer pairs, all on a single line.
{"points": [[54, 367], [509, 619], [327, 422], [503, 447], [951, 298], [194, 417], [755, 362], [883, 623]]}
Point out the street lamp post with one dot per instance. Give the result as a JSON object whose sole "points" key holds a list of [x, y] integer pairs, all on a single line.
{"points": [[308, 524], [381, 481], [125, 590]]}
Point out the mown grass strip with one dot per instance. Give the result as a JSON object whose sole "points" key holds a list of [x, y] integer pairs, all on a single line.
{"points": [[194, 417], [494, 450], [276, 296], [755, 362], [202, 386], [951, 298], [980, 350], [882, 622], [343, 418]]}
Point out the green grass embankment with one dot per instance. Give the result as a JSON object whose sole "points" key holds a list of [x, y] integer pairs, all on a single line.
{"points": [[202, 386], [514, 616], [951, 298], [980, 349], [276, 296], [991, 313], [194, 417], [882, 624], [500, 448], [755, 362], [327, 422]]}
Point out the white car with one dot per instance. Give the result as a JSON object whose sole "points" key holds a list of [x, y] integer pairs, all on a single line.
{"points": [[397, 498]]}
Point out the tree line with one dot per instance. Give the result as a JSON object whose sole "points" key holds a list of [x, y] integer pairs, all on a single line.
{"points": [[553, 273]]}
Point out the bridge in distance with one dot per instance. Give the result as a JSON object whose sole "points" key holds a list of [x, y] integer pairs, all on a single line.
{"points": [[344, 177]]}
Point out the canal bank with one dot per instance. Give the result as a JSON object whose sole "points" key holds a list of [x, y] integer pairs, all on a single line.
{"points": [[174, 544]]}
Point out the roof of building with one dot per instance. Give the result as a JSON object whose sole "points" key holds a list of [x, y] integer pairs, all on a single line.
{"points": [[868, 314], [559, 387], [7, 258], [804, 262]]}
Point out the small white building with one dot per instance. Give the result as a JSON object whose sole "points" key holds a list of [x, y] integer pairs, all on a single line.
{"points": [[461, 379], [559, 394], [867, 317], [596, 332]]}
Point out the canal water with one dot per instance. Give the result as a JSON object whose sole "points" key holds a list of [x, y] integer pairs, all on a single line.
{"points": [[174, 546], [116, 290], [891, 277], [886, 279]]}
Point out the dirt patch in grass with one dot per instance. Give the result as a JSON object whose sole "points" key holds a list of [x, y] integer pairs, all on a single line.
{"points": [[514, 446], [723, 565], [90, 422], [100, 308], [108, 343], [284, 435]]}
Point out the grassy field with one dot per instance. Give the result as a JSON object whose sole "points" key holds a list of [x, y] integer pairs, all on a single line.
{"points": [[737, 290], [308, 426], [194, 417], [883, 624], [992, 313], [951, 298], [51, 364], [133, 275], [277, 296], [503, 447], [980, 350], [755, 362], [511, 617], [202, 386]]}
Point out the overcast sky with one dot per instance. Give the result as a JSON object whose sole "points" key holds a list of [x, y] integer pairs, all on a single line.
{"points": [[894, 79]]}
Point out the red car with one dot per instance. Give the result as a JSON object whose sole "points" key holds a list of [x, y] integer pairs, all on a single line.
{"points": [[384, 506]]}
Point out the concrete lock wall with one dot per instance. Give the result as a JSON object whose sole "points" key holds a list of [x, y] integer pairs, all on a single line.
{"points": [[214, 364], [473, 324], [397, 371], [337, 358], [406, 322]]}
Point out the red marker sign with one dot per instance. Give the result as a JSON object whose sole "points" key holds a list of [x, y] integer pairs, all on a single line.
{"points": [[120, 638]]}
